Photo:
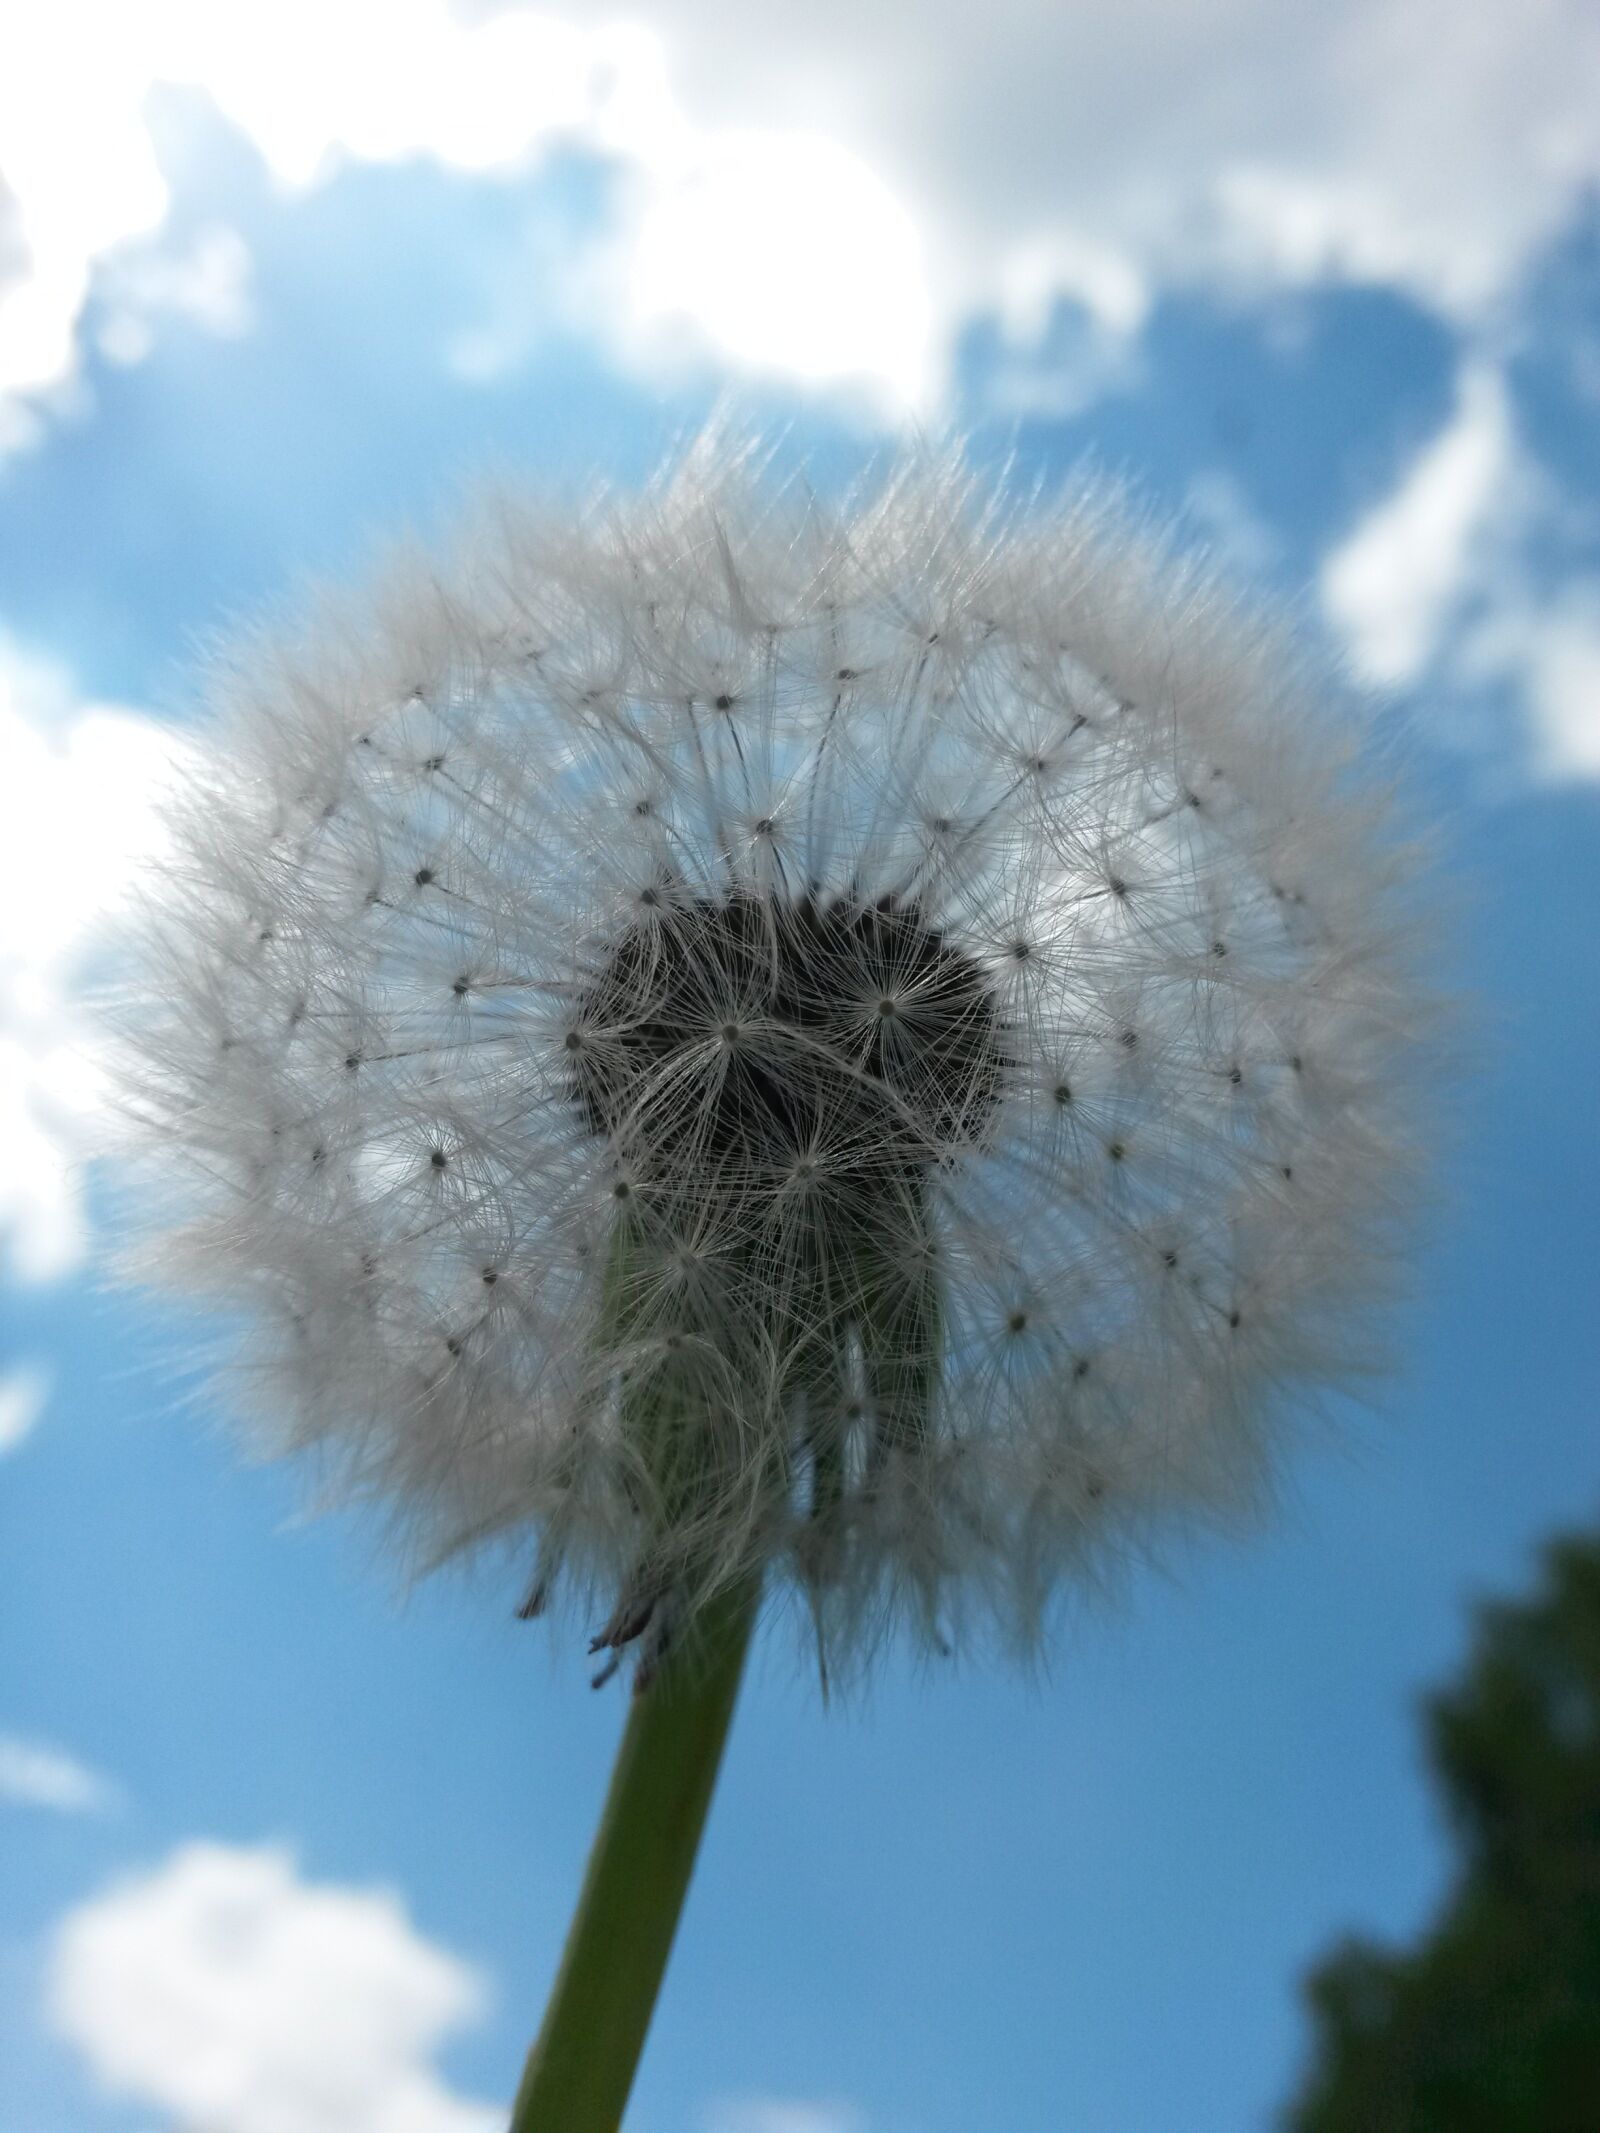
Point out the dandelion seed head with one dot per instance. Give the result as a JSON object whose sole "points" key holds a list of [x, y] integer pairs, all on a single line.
{"points": [[712, 1034]]}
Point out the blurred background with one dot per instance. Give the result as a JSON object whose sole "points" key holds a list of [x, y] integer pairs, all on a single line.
{"points": [[288, 1851]]}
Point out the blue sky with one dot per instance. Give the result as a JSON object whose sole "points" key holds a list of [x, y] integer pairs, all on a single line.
{"points": [[270, 289]]}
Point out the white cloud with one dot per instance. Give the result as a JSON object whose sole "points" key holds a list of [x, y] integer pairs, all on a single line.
{"points": [[23, 1392], [777, 2114], [826, 191], [1546, 648], [208, 284], [1035, 151], [1127, 131], [77, 811], [224, 1989], [1392, 585], [1565, 690], [1447, 585], [34, 1774], [788, 254]]}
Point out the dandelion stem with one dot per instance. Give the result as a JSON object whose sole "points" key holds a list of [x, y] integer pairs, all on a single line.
{"points": [[582, 2066]]}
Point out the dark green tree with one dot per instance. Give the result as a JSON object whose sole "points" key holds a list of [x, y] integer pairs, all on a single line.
{"points": [[1492, 2023]]}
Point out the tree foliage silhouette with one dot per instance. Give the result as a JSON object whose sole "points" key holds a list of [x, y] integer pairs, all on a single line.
{"points": [[1493, 2020]]}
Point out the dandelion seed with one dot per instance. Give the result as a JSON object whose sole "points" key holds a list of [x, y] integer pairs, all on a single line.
{"points": [[728, 1173]]}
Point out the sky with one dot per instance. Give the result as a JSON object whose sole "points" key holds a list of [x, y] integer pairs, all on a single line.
{"points": [[288, 1849]]}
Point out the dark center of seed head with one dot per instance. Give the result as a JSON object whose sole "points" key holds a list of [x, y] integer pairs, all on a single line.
{"points": [[860, 1030]]}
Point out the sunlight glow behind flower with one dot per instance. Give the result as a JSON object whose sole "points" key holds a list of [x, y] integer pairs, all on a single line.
{"points": [[830, 284]]}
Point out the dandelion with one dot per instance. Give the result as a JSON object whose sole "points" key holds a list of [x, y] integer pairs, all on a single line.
{"points": [[746, 1048]]}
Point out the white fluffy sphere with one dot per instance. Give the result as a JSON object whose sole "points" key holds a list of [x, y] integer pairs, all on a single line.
{"points": [[725, 1036]]}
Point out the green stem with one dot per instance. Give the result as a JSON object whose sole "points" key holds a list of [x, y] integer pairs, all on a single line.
{"points": [[581, 2069]]}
